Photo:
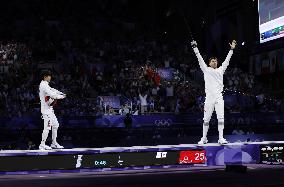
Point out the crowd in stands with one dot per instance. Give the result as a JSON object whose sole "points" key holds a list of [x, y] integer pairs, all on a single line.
{"points": [[116, 68]]}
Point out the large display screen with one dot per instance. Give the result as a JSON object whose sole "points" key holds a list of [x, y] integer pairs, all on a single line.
{"points": [[271, 19], [272, 154], [101, 160]]}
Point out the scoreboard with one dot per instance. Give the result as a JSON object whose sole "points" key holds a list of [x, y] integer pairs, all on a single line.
{"points": [[101, 160], [272, 154]]}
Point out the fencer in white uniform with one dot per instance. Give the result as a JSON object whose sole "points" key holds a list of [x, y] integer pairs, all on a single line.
{"points": [[213, 78], [48, 97]]}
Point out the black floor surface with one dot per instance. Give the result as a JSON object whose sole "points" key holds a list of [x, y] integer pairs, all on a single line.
{"points": [[256, 176]]}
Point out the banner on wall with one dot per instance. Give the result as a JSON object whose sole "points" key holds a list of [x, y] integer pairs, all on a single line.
{"points": [[113, 101], [166, 73]]}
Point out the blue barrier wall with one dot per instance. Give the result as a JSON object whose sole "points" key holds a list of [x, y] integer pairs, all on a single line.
{"points": [[144, 120]]}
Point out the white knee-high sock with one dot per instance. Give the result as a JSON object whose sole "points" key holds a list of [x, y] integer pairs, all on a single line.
{"points": [[54, 134], [44, 136], [205, 129], [221, 129]]}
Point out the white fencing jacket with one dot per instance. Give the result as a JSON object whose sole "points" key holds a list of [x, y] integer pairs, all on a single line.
{"points": [[44, 91], [213, 78]]}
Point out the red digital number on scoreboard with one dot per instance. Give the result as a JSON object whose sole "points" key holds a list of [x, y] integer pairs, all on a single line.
{"points": [[192, 157]]}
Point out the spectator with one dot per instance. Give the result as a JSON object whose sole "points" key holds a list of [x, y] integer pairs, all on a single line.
{"points": [[143, 103]]}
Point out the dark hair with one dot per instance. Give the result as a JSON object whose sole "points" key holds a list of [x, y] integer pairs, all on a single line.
{"points": [[212, 58], [45, 73]]}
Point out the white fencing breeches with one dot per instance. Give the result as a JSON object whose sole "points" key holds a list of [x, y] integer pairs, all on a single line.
{"points": [[212, 103], [50, 122]]}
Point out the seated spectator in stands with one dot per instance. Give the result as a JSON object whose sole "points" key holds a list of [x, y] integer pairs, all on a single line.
{"points": [[31, 145], [126, 109], [111, 111], [135, 111]]}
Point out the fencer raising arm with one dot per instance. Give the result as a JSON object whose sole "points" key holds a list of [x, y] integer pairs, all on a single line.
{"points": [[201, 62], [50, 92], [227, 60]]}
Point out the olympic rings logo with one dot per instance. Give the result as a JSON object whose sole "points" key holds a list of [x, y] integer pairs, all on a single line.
{"points": [[163, 122]]}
